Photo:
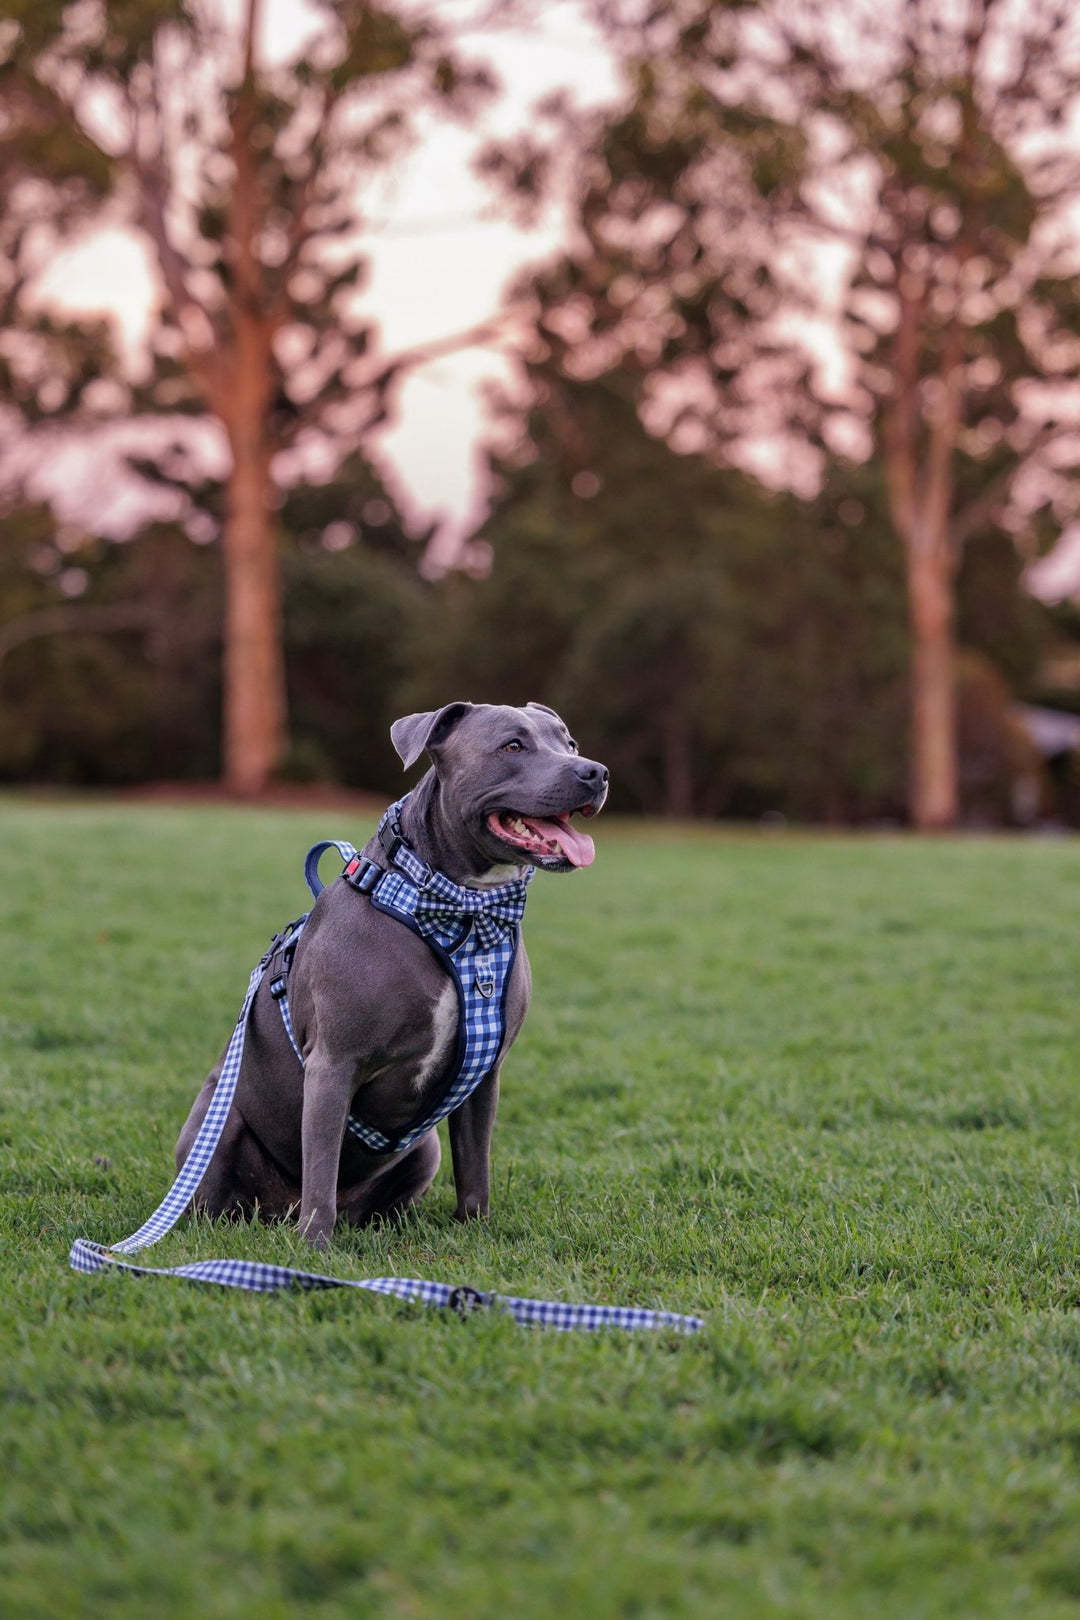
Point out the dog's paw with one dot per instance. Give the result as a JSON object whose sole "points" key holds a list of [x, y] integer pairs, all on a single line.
{"points": [[318, 1232], [472, 1209]]}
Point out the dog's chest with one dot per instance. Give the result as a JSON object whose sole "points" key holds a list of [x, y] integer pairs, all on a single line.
{"points": [[444, 1034]]}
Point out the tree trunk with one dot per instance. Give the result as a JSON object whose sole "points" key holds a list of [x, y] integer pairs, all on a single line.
{"points": [[934, 794], [677, 769], [920, 483], [255, 704], [254, 719]]}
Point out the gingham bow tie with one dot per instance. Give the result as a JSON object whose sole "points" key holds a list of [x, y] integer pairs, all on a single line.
{"points": [[435, 903], [440, 906]]}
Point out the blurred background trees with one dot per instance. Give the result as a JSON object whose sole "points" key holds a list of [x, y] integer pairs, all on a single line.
{"points": [[248, 183], [793, 411], [893, 181]]}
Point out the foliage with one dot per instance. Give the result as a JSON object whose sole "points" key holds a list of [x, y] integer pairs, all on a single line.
{"points": [[352, 626], [140, 702], [739, 653], [53, 178], [736, 651], [248, 180], [82, 706], [843, 230], [251, 180], [922, 146], [821, 1091], [996, 615]]}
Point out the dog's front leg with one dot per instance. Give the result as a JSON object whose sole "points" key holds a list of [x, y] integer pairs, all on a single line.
{"points": [[328, 1087], [470, 1147]]}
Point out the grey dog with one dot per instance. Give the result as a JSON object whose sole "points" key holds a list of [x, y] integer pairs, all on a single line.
{"points": [[374, 1012]]}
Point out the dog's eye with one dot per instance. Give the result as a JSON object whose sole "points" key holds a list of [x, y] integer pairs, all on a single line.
{"points": [[513, 747], [572, 745]]}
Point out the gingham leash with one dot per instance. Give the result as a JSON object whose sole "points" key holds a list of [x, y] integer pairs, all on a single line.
{"points": [[258, 1277]]}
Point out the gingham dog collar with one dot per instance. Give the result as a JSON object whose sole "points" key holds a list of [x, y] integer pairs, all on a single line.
{"points": [[260, 1277], [418, 893]]}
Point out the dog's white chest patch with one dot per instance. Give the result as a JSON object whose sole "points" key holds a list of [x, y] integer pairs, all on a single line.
{"points": [[444, 1021]]}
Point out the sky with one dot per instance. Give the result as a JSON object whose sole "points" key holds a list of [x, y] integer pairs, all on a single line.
{"points": [[438, 267]]}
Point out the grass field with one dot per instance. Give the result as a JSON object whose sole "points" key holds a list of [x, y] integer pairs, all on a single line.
{"points": [[823, 1091]]}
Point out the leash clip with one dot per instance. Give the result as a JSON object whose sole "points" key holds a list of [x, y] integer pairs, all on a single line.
{"points": [[465, 1300]]}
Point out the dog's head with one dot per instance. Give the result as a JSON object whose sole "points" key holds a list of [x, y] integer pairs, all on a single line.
{"points": [[513, 776]]}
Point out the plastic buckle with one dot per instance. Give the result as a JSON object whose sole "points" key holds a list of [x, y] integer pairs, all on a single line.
{"points": [[278, 986], [362, 874], [392, 839]]}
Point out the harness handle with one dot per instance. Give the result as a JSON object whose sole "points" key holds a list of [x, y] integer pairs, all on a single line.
{"points": [[315, 855], [259, 1277]]}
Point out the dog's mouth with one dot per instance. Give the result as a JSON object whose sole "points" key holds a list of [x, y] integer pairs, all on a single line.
{"points": [[545, 838]]}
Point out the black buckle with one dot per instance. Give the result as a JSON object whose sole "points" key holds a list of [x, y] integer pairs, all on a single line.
{"points": [[280, 981], [285, 943], [466, 1300], [392, 839], [362, 874]]}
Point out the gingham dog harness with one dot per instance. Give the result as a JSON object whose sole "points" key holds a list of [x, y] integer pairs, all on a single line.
{"points": [[494, 928], [474, 934]]}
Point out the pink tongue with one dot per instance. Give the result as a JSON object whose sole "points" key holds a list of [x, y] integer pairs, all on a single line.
{"points": [[578, 847]]}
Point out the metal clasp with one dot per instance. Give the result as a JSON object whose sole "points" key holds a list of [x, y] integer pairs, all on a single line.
{"points": [[465, 1300]]}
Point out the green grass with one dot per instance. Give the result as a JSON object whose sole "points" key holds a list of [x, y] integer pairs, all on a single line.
{"points": [[823, 1091]]}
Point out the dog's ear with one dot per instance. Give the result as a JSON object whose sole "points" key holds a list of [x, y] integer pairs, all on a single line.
{"points": [[544, 707], [415, 732]]}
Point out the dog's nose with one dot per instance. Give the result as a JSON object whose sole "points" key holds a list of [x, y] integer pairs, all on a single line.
{"points": [[591, 774]]}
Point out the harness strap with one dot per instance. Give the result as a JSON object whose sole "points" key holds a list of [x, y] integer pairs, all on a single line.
{"points": [[315, 855], [278, 969], [258, 1277], [473, 934]]}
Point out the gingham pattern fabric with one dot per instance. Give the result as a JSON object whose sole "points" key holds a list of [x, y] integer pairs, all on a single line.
{"points": [[259, 1278], [440, 907], [476, 934], [183, 1189], [286, 1016]]}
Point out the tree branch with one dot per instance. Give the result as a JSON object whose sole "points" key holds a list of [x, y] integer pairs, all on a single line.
{"points": [[982, 508], [150, 174]]}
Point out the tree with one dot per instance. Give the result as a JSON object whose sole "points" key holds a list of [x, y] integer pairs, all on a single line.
{"points": [[897, 172], [107, 672], [247, 178], [726, 650], [110, 653]]}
